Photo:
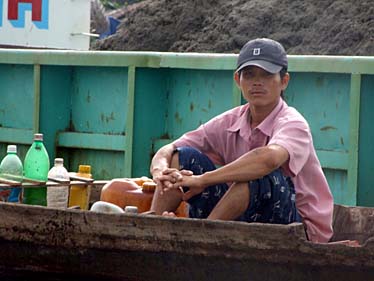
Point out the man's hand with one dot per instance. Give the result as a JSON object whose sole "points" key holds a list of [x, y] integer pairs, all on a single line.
{"points": [[194, 185], [168, 178], [177, 179]]}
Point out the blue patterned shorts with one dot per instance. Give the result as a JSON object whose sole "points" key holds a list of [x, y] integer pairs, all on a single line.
{"points": [[272, 197]]}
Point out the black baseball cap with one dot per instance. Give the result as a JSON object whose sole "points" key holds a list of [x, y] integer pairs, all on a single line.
{"points": [[263, 52]]}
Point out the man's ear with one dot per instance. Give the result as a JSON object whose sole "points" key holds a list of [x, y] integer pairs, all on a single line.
{"points": [[237, 78], [285, 80]]}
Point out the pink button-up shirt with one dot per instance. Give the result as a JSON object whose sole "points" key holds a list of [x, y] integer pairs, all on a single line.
{"points": [[228, 136]]}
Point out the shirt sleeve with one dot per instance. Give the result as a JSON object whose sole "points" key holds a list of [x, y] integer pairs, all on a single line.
{"points": [[205, 138], [296, 138]]}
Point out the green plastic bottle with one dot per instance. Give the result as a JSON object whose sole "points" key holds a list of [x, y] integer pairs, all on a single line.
{"points": [[36, 166]]}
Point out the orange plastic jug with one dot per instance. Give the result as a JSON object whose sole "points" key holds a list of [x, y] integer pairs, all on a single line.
{"points": [[134, 192]]}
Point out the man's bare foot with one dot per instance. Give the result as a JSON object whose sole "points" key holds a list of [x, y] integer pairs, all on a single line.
{"points": [[169, 214], [148, 213], [350, 243]]}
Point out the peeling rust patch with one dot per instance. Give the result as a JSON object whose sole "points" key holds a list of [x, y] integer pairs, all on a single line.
{"points": [[165, 136], [111, 117], [107, 118], [191, 106], [178, 119], [326, 128]]}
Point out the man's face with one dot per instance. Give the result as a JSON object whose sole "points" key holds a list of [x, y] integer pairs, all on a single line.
{"points": [[259, 87]]}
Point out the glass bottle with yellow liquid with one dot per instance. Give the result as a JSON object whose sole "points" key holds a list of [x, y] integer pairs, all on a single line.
{"points": [[80, 194]]}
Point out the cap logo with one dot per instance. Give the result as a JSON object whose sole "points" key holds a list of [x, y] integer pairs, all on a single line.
{"points": [[256, 51]]}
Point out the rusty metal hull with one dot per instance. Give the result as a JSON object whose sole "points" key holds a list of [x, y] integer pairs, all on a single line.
{"points": [[51, 244]]}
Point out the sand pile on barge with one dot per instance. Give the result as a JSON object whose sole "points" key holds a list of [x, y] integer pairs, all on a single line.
{"points": [[330, 27]]}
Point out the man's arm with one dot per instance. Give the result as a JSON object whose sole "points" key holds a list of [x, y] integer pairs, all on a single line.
{"points": [[252, 165], [161, 160]]}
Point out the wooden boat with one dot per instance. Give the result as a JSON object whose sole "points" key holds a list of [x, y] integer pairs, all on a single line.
{"points": [[54, 244]]}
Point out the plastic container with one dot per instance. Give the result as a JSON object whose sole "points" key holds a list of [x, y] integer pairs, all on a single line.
{"points": [[106, 207], [58, 196], [131, 210], [80, 194], [11, 168], [126, 192], [36, 167]]}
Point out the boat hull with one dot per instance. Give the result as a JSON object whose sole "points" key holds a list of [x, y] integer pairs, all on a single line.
{"points": [[51, 244]]}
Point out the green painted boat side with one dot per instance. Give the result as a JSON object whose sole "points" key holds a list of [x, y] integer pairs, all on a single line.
{"points": [[112, 110]]}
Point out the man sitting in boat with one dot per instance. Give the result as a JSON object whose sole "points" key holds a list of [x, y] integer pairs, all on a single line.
{"points": [[268, 170]]}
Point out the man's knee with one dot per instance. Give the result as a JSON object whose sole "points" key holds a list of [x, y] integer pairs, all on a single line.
{"points": [[240, 188], [240, 194], [192, 159], [233, 204]]}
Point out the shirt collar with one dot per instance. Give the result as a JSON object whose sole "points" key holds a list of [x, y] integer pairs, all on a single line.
{"points": [[266, 126], [242, 122]]}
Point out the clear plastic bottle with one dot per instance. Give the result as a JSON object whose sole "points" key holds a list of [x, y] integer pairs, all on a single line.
{"points": [[11, 168], [80, 194], [58, 196], [36, 167]]}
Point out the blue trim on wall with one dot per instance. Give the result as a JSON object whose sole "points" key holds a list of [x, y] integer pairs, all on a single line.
{"points": [[1, 13]]}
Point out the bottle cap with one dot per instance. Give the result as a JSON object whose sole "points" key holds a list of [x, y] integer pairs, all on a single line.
{"points": [[131, 209], [12, 148], [59, 161], [84, 169], [149, 186], [38, 137]]}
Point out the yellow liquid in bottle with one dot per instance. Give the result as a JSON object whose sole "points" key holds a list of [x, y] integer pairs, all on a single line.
{"points": [[80, 194]]}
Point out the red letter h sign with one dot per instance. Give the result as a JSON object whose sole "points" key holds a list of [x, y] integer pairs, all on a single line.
{"points": [[36, 9]]}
